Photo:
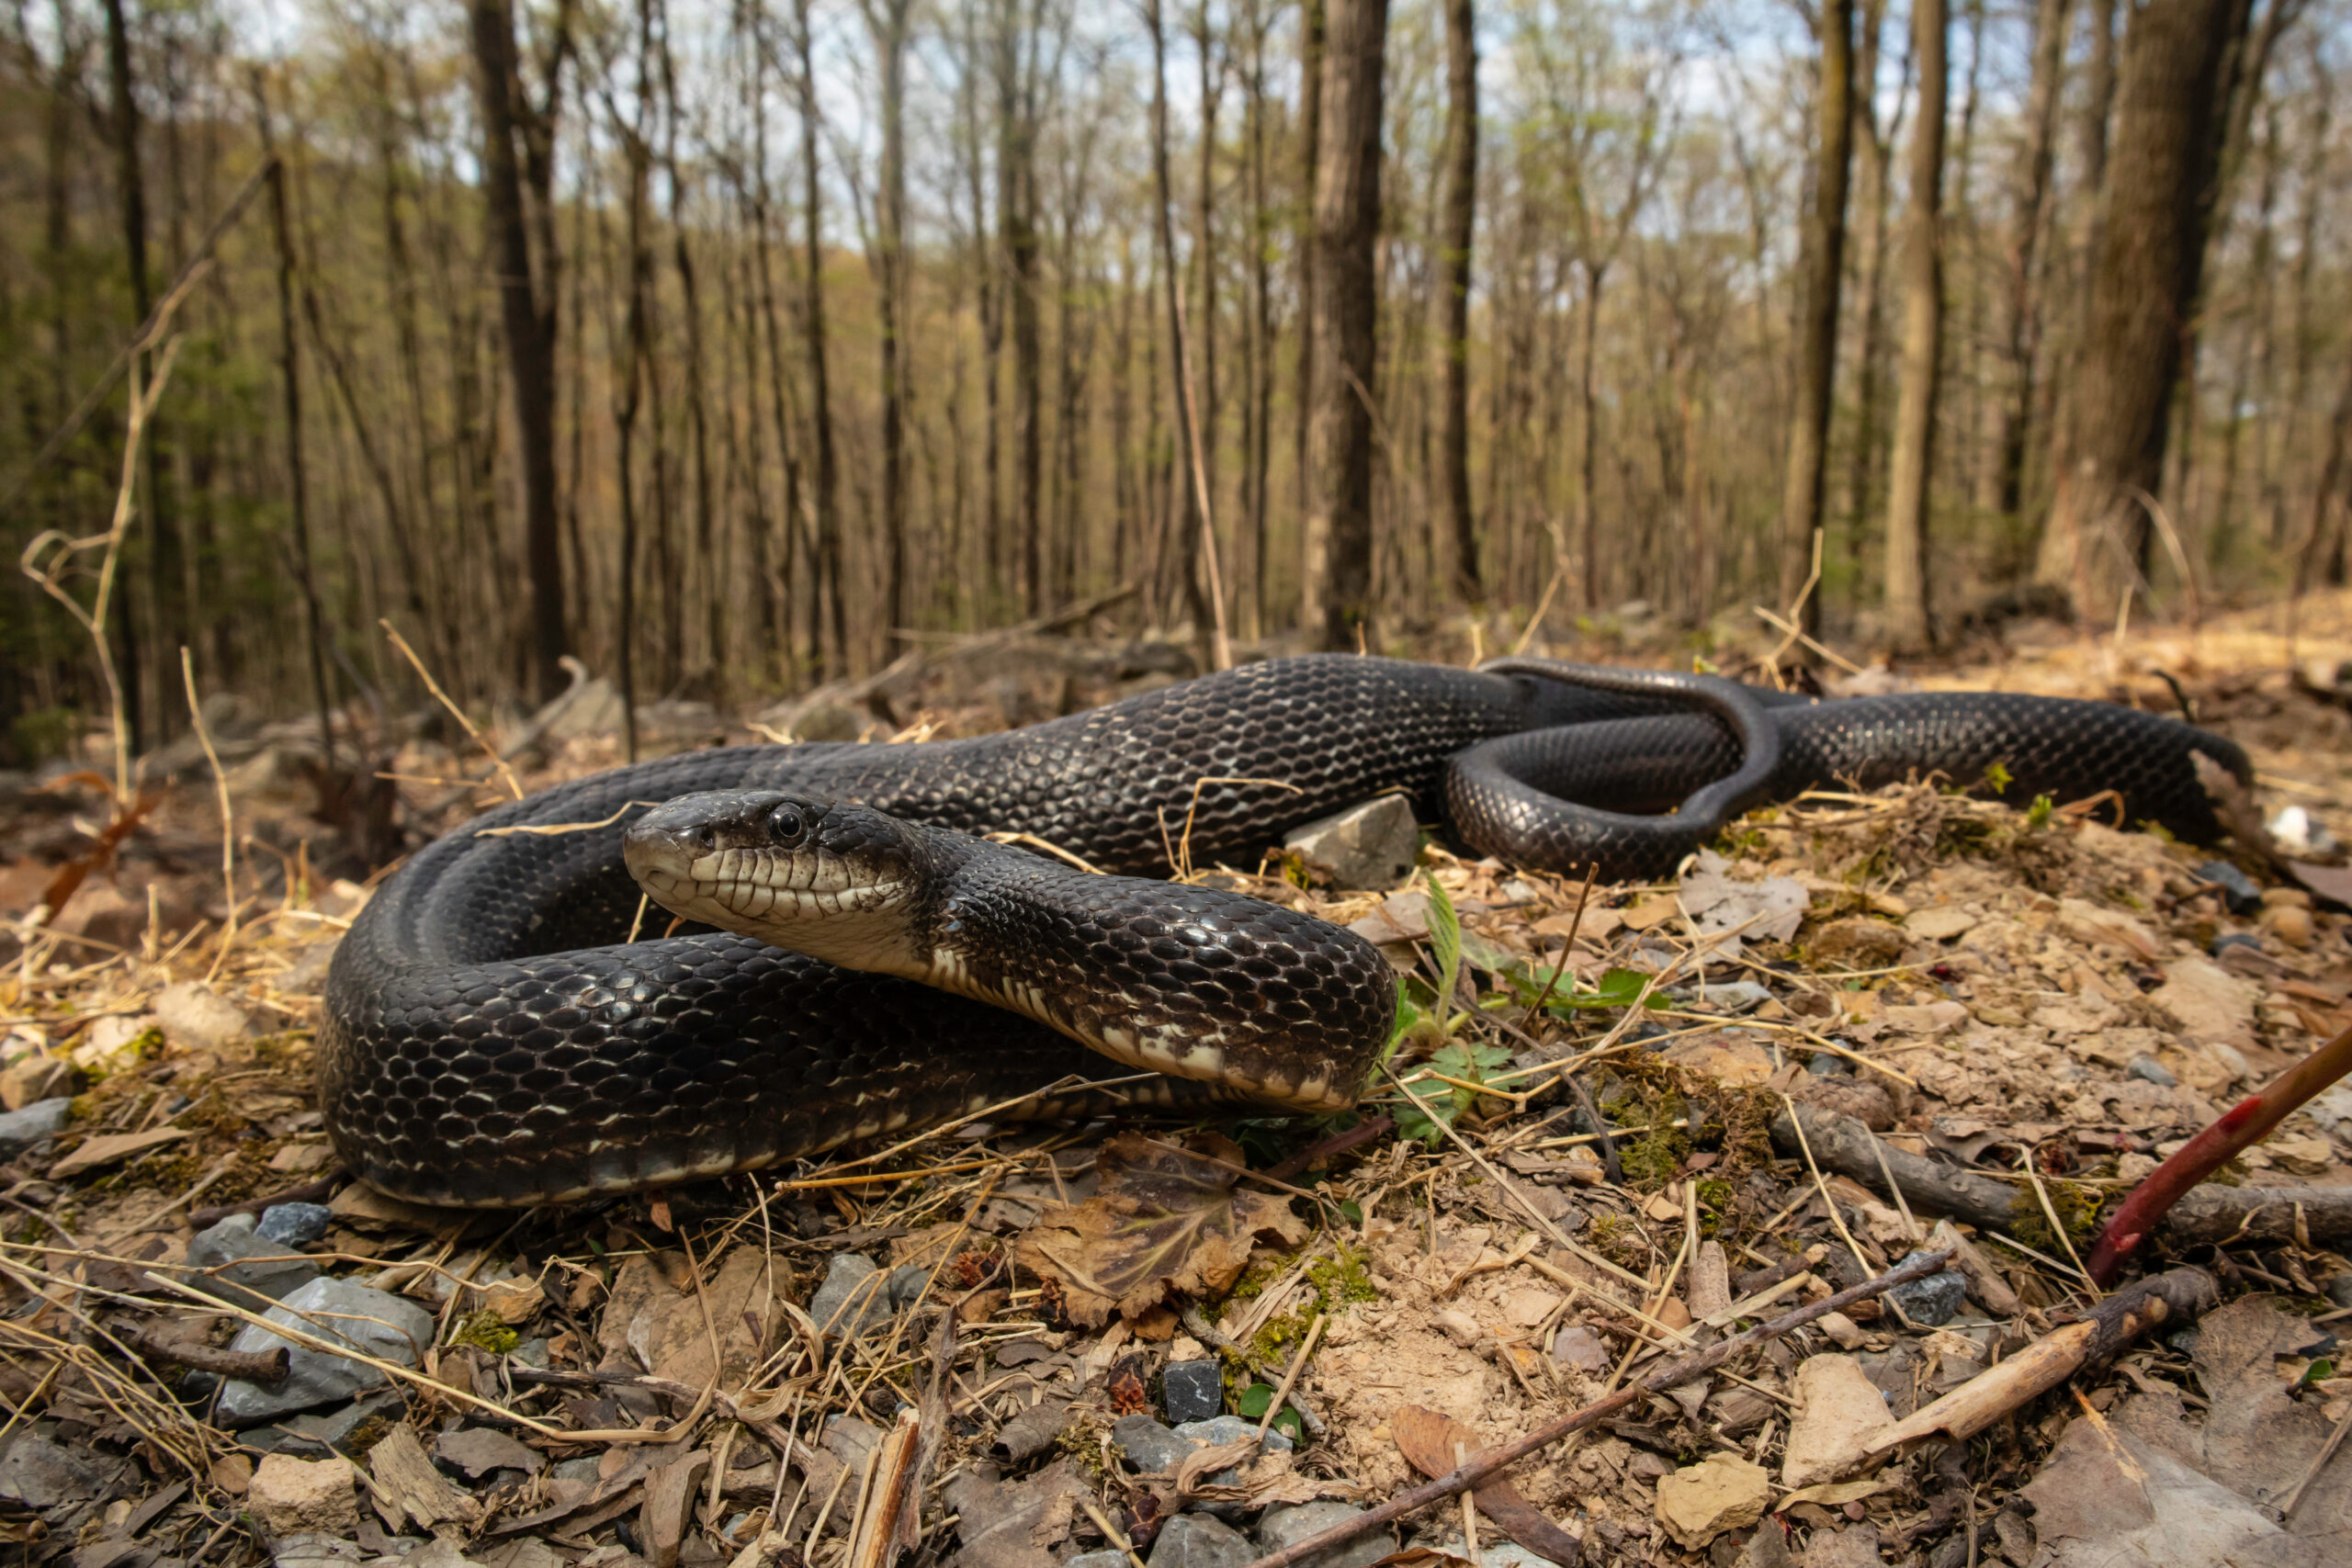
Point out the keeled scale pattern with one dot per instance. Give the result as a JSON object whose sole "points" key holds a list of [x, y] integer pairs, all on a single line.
{"points": [[482, 1044]]}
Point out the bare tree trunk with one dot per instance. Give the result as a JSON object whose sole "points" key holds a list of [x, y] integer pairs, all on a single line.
{"points": [[1181, 538], [1202, 335], [1875, 154], [2314, 196], [1822, 270], [1923, 325], [2323, 552], [1016, 210], [826, 567], [888, 21], [2028, 216], [1347, 211], [1259, 401], [297, 492], [131, 191], [714, 596], [2149, 266], [528, 323], [1456, 224], [1310, 160]]}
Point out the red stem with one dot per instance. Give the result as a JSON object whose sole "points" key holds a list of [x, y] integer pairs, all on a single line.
{"points": [[2246, 1122]]}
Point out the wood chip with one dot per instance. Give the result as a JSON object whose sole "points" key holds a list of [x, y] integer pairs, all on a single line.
{"points": [[107, 1148]]}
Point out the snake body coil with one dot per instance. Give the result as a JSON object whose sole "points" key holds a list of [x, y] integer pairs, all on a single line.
{"points": [[492, 1038]]}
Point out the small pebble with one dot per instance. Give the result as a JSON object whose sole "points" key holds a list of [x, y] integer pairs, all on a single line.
{"points": [[1930, 1303], [1194, 1390], [2239, 893], [2150, 1069], [2290, 923], [294, 1224], [1822, 1065], [2235, 938]]}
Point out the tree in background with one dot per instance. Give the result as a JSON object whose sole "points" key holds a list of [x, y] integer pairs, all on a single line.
{"points": [[1923, 336], [1821, 275], [1346, 219], [2148, 268], [1456, 227], [515, 136]]}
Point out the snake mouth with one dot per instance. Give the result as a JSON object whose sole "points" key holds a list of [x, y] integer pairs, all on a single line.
{"points": [[832, 881]]}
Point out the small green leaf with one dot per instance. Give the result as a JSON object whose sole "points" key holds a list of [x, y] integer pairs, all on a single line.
{"points": [[1998, 778], [1445, 937], [1352, 1209], [2038, 814], [1252, 1401]]}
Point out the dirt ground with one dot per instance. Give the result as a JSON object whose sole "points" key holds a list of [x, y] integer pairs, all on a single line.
{"points": [[1586, 1163]]}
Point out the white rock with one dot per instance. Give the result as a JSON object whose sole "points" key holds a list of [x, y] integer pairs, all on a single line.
{"points": [[2214, 1006], [193, 1013]]}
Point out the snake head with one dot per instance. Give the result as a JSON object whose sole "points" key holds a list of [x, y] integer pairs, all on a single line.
{"points": [[832, 880]]}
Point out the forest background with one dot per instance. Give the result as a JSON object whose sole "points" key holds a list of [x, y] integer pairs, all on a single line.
{"points": [[731, 347]]}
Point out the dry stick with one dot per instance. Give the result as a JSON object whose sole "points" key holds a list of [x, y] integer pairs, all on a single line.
{"points": [[671, 1434], [512, 785], [1542, 605], [1822, 1187], [1298, 1365], [1916, 1266], [109, 544], [2248, 1121], [2057, 1227], [228, 815], [1223, 647]]}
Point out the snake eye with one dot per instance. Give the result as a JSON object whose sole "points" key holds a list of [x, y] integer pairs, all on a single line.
{"points": [[787, 825]]}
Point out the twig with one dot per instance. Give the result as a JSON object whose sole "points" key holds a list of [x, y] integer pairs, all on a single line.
{"points": [[513, 784], [1542, 606], [1805, 1147], [254, 1366], [228, 814], [2245, 1123], [1915, 1266], [1297, 1364], [1222, 649]]}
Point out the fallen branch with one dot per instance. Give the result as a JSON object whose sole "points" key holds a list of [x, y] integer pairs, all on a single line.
{"points": [[252, 1366], [2180, 1296], [1845, 1144], [2242, 1124], [1465, 1476]]}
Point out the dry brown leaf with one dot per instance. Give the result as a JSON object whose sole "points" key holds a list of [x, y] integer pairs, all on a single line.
{"points": [[1204, 1462], [1162, 1219], [1431, 1442]]}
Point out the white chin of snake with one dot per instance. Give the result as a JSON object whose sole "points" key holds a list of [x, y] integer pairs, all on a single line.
{"points": [[857, 928]]}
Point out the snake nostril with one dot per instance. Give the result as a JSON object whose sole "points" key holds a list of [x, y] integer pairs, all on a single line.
{"points": [[706, 836]]}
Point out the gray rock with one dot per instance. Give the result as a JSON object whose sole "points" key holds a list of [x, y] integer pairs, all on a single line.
{"points": [[20, 1130], [1231, 1430], [2238, 891], [388, 1328], [312, 1551], [908, 1281], [1149, 1446], [1931, 1302], [1578, 1347], [1282, 1527], [850, 1299], [45, 1475], [257, 1285], [850, 1439], [1822, 1065], [1368, 846], [1098, 1560], [532, 1353], [2339, 1289], [2229, 940], [1196, 1541], [576, 1469], [316, 1434], [294, 1224], [2156, 1072], [1194, 1390]]}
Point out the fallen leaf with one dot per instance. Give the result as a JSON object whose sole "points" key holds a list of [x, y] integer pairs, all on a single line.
{"points": [[1432, 1441], [107, 1147], [1162, 1219], [1203, 1463]]}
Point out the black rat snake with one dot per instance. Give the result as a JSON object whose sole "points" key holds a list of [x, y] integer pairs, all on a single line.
{"points": [[492, 1037]]}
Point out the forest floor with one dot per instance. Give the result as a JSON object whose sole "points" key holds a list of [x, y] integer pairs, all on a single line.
{"points": [[918, 1347]]}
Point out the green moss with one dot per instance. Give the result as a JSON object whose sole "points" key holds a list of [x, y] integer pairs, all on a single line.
{"points": [[2077, 1209], [1620, 1241], [1652, 1159], [486, 1330]]}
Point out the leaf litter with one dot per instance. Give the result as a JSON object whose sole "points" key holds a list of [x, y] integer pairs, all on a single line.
{"points": [[2022, 993]]}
